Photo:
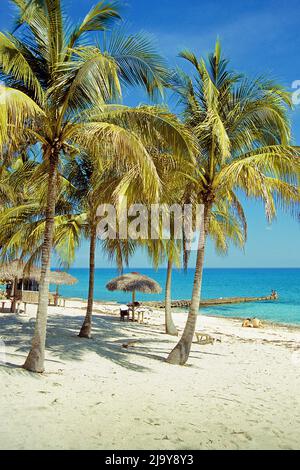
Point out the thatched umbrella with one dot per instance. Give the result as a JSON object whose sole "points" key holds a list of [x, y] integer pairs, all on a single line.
{"points": [[133, 282], [61, 277]]}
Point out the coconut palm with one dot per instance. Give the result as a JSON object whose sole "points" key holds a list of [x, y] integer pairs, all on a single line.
{"points": [[95, 182], [166, 248], [85, 184], [226, 227], [243, 136], [54, 93], [81, 172]]}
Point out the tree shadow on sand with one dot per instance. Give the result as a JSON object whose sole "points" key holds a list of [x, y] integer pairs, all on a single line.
{"points": [[109, 337], [109, 334]]}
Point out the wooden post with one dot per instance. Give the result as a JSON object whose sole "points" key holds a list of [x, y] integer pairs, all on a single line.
{"points": [[14, 299], [56, 296], [133, 301]]}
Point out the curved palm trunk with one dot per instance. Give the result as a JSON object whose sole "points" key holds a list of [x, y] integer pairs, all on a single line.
{"points": [[86, 328], [169, 324], [36, 356], [180, 354]]}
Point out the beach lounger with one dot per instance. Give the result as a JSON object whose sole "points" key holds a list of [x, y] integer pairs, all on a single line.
{"points": [[204, 338]]}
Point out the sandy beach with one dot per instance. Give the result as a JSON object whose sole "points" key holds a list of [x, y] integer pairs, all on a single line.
{"points": [[242, 392]]}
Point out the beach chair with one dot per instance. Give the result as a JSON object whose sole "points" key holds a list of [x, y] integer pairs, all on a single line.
{"points": [[204, 338], [124, 312]]}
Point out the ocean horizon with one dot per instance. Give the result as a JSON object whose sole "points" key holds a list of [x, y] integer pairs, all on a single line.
{"points": [[217, 282]]}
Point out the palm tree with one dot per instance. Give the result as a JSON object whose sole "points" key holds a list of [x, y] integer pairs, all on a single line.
{"points": [[167, 250], [94, 182], [55, 93], [81, 172], [243, 136], [85, 183], [226, 226]]}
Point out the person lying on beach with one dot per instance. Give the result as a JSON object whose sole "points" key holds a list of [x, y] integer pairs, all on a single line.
{"points": [[252, 323], [256, 323], [247, 323]]}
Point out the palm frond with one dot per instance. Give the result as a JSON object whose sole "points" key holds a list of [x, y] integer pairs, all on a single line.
{"points": [[99, 18]]}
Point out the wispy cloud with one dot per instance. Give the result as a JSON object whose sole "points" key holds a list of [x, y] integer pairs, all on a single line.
{"points": [[242, 35]]}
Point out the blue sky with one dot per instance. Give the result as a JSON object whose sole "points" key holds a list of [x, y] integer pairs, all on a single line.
{"points": [[259, 37]]}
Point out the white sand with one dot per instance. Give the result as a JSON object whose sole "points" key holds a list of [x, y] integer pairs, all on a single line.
{"points": [[240, 393]]}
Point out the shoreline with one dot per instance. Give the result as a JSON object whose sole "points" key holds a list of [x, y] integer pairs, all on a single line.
{"points": [[183, 311]]}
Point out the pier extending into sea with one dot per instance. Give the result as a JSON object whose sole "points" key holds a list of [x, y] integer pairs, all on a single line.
{"points": [[212, 302]]}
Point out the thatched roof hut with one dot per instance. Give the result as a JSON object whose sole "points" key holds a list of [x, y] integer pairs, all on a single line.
{"points": [[17, 270], [24, 281], [132, 282]]}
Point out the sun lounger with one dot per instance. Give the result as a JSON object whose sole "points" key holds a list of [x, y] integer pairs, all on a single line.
{"points": [[204, 338]]}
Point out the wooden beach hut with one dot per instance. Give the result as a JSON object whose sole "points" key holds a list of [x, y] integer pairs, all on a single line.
{"points": [[22, 283]]}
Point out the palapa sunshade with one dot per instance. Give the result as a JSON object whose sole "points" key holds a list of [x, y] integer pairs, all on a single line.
{"points": [[133, 282], [61, 277]]}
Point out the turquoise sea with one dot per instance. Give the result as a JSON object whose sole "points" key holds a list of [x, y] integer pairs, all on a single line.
{"points": [[216, 283]]}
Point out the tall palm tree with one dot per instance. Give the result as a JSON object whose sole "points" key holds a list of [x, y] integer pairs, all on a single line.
{"points": [[96, 182], [85, 183], [243, 136], [226, 226], [54, 94], [81, 171]]}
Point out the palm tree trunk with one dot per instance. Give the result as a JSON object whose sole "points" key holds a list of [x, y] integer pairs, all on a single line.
{"points": [[36, 356], [86, 328], [170, 327], [180, 354]]}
